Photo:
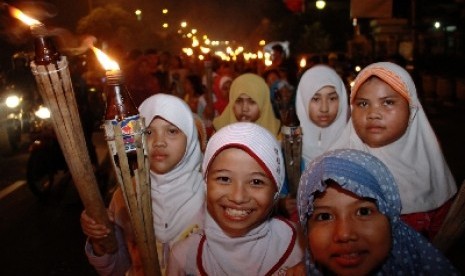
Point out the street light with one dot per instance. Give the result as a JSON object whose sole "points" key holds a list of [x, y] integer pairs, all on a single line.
{"points": [[320, 4], [138, 14]]}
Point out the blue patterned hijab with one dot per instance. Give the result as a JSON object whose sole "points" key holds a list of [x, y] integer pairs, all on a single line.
{"points": [[366, 176]]}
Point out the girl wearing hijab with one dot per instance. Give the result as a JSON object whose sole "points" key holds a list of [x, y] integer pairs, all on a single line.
{"points": [[249, 101], [244, 171], [322, 108], [177, 189], [388, 121], [349, 207]]}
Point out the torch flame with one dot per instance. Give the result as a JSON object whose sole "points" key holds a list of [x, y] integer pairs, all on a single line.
{"points": [[16, 13], [106, 61]]}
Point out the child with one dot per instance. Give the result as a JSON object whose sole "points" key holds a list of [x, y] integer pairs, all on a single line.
{"points": [[249, 101], [349, 206], [322, 109], [221, 93], [388, 121], [177, 189], [244, 170]]}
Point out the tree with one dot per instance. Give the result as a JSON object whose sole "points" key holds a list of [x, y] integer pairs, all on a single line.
{"points": [[116, 27]]}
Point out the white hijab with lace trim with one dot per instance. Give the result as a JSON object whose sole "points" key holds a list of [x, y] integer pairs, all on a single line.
{"points": [[416, 160], [178, 195], [316, 140]]}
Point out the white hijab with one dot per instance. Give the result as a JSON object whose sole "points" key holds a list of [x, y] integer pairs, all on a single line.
{"points": [[178, 195], [416, 160], [316, 140], [257, 252]]}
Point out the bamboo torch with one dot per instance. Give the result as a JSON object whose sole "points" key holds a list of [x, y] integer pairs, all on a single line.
{"points": [[124, 131], [52, 75]]}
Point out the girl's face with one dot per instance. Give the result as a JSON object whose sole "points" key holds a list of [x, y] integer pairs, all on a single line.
{"points": [[380, 115], [167, 145], [323, 106], [347, 234], [239, 192], [246, 109]]}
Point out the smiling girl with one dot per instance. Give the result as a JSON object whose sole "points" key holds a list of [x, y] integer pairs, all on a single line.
{"points": [[244, 171]]}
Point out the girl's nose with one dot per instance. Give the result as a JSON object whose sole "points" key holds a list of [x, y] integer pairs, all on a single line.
{"points": [[345, 230], [158, 141], [373, 113], [238, 193], [324, 106]]}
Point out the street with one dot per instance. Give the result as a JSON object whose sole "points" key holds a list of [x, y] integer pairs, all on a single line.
{"points": [[45, 238]]}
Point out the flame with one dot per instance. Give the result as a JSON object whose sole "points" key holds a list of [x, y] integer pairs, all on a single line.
{"points": [[16, 13], [106, 61]]}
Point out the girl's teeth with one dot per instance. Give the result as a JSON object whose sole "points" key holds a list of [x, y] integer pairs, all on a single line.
{"points": [[236, 212]]}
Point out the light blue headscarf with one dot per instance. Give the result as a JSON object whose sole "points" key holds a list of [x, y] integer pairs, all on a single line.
{"points": [[366, 176]]}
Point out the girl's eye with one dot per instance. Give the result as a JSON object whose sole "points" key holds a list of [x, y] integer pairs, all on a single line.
{"points": [[251, 102], [336, 98], [173, 131], [388, 102], [362, 103], [148, 131], [364, 211], [223, 179], [257, 182], [314, 99], [322, 216]]}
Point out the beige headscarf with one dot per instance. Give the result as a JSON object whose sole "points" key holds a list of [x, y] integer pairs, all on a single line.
{"points": [[416, 160], [255, 87]]}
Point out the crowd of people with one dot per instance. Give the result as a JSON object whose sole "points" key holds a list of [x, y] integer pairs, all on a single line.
{"points": [[375, 187]]}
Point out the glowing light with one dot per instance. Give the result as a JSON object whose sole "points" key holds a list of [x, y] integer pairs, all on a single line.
{"points": [[12, 101], [105, 61], [204, 50], [303, 62], [183, 24], [165, 25], [188, 51], [164, 11], [437, 24], [262, 42], [16, 13], [320, 4], [43, 112]]}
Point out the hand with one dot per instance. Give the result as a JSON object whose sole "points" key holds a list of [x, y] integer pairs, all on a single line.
{"points": [[95, 231]]}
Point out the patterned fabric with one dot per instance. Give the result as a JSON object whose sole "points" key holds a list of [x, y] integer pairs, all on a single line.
{"points": [[316, 140], [255, 87], [366, 176], [415, 159]]}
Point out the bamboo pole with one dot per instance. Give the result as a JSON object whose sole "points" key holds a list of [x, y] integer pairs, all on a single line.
{"points": [[56, 89], [136, 192]]}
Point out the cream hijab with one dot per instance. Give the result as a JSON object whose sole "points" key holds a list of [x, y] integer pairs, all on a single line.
{"points": [[255, 87], [317, 140], [416, 160], [178, 195]]}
